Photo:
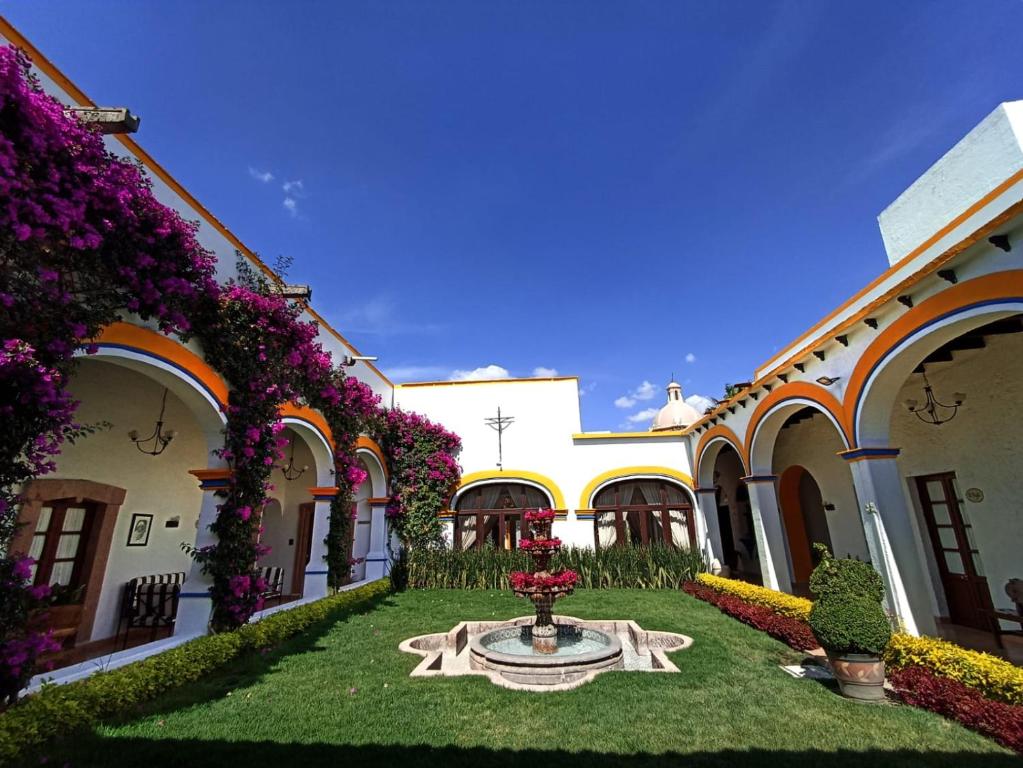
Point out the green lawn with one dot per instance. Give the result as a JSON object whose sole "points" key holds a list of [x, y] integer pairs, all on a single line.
{"points": [[342, 696]]}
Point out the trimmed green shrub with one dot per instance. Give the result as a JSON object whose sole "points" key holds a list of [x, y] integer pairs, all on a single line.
{"points": [[58, 710], [653, 567], [847, 615]]}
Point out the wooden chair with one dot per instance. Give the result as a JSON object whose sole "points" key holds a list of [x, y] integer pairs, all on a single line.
{"points": [[150, 601], [274, 578]]}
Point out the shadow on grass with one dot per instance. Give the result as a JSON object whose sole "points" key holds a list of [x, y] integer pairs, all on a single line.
{"points": [[250, 668], [99, 751]]}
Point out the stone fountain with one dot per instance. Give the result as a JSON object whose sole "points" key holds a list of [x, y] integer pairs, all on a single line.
{"points": [[545, 652]]}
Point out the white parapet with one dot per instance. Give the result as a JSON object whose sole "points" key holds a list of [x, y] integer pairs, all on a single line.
{"points": [[982, 160]]}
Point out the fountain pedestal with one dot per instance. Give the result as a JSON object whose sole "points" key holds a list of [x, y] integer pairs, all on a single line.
{"points": [[540, 585]]}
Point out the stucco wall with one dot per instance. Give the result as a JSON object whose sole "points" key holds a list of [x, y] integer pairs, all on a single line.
{"points": [[813, 444], [280, 523], [157, 485], [981, 445]]}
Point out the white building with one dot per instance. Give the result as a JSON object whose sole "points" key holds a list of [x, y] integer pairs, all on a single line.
{"points": [[820, 447]]}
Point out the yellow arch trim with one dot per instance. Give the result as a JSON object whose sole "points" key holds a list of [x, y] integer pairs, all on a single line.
{"points": [[512, 475], [624, 473]]}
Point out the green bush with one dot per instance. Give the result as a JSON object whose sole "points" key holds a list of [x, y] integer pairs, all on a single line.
{"points": [[58, 710], [847, 615], [653, 567]]}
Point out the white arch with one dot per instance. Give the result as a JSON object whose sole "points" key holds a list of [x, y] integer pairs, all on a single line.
{"points": [[377, 477], [765, 436], [200, 402], [877, 398], [323, 455], [709, 457]]}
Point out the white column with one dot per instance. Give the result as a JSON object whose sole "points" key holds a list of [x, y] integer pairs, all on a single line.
{"points": [[195, 604], [316, 570], [769, 533], [378, 561], [708, 529], [892, 537]]}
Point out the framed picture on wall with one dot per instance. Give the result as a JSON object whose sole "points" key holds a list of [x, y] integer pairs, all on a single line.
{"points": [[138, 534]]}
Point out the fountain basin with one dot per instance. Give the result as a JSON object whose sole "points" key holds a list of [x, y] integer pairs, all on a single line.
{"points": [[580, 651]]}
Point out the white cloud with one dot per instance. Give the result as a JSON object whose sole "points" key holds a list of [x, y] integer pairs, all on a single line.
{"points": [[644, 391], [381, 315], [700, 402], [416, 372], [291, 205], [647, 414], [294, 188], [545, 373], [585, 389], [690, 358], [481, 374], [264, 176]]}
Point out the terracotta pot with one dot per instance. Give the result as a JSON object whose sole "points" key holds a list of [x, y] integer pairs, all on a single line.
{"points": [[860, 676]]}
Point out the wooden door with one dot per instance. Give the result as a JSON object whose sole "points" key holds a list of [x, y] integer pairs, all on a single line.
{"points": [[303, 546], [962, 576]]}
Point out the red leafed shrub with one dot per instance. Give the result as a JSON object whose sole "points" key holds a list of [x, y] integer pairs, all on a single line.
{"points": [[792, 632], [919, 687]]}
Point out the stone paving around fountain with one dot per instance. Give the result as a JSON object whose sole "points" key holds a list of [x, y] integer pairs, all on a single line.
{"points": [[458, 652]]}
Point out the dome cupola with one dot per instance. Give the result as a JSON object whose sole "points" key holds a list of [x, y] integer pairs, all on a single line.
{"points": [[677, 413]]}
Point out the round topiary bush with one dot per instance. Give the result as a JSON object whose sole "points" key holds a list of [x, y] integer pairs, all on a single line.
{"points": [[847, 614], [850, 625]]}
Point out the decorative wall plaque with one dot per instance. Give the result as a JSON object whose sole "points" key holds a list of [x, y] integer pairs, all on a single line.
{"points": [[975, 495]]}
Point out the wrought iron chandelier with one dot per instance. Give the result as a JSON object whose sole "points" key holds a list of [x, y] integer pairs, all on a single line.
{"points": [[159, 439], [291, 472], [932, 411]]}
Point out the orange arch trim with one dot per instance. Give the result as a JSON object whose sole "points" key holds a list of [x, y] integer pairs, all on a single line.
{"points": [[133, 337], [305, 413], [371, 445], [804, 391], [998, 285], [723, 432]]}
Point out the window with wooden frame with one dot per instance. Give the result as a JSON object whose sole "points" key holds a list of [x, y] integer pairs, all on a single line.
{"points": [[494, 514], [58, 542], [643, 512]]}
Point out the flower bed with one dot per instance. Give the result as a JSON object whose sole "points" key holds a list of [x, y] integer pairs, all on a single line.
{"points": [[993, 677], [980, 691], [62, 709], [921, 687], [787, 605], [793, 632]]}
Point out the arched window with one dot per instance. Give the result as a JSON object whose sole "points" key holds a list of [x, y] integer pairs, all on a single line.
{"points": [[643, 512], [493, 513]]}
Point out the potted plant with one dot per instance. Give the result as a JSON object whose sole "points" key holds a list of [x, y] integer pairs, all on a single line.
{"points": [[850, 623]]}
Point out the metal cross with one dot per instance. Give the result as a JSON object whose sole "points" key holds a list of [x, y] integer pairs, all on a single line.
{"points": [[499, 423]]}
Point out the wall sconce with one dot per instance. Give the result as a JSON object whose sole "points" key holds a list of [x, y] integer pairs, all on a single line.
{"points": [[349, 360], [827, 381], [829, 507], [159, 438]]}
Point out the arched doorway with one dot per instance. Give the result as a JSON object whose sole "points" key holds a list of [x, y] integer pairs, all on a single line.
{"points": [[493, 513], [642, 512], [806, 523]]}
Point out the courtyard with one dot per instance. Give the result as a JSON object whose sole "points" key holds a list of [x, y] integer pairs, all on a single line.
{"points": [[341, 694]]}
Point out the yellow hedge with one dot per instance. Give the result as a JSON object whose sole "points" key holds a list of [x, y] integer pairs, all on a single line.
{"points": [[787, 605], [993, 677]]}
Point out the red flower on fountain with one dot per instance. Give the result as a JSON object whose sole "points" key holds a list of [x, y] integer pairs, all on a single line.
{"points": [[541, 586]]}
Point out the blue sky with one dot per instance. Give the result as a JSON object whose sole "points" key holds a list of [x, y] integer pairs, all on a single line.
{"points": [[617, 191]]}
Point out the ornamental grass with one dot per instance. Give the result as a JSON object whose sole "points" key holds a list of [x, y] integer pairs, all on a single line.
{"points": [[655, 567]]}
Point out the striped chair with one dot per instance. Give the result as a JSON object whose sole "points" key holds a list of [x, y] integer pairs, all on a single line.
{"points": [[150, 601], [274, 578]]}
